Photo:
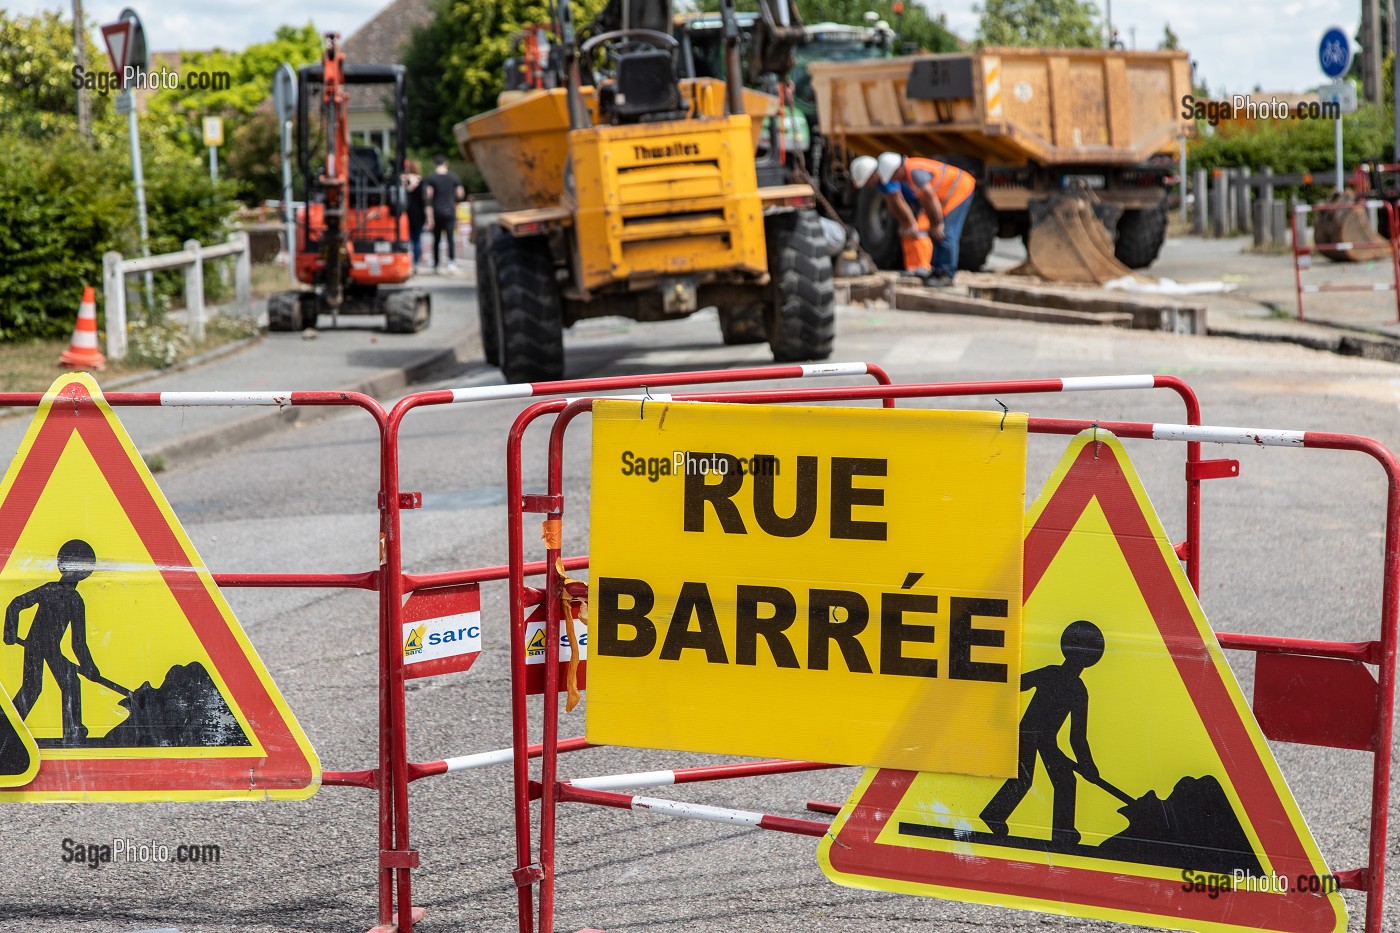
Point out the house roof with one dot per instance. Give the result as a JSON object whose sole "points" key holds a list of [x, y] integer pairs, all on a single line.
{"points": [[381, 41]]}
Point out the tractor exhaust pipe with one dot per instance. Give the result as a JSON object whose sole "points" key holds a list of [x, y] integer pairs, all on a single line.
{"points": [[733, 70]]}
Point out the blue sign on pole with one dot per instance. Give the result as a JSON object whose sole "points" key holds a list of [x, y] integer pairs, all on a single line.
{"points": [[1334, 52]]}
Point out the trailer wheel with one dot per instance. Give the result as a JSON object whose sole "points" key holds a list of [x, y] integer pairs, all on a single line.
{"points": [[879, 234], [802, 321], [742, 325], [531, 336], [486, 304], [1140, 236], [407, 311], [979, 233]]}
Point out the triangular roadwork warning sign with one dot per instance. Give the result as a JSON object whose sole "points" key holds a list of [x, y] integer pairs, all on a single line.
{"points": [[119, 652], [1146, 792]]}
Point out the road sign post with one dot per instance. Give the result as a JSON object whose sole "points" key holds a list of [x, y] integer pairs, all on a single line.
{"points": [[126, 47], [1334, 55], [284, 99]]}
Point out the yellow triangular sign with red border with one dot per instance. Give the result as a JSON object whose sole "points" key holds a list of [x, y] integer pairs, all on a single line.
{"points": [[1146, 792], [120, 654]]}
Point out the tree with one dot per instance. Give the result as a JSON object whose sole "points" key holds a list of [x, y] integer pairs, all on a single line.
{"points": [[915, 27], [1170, 40], [180, 112], [63, 202], [1053, 24], [37, 96], [454, 63], [254, 157]]}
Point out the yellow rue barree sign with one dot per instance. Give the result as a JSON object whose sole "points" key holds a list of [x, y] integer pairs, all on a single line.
{"points": [[833, 584]]}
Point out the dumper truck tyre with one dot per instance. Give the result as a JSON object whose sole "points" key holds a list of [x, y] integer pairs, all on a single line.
{"points": [[802, 317], [979, 233], [879, 234], [486, 305], [531, 337], [743, 324], [1140, 236]]}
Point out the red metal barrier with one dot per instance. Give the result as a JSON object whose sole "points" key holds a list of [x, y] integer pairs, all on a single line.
{"points": [[390, 778], [549, 789], [397, 857], [1302, 254]]}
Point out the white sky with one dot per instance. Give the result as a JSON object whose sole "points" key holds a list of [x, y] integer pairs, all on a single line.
{"points": [[1237, 44]]}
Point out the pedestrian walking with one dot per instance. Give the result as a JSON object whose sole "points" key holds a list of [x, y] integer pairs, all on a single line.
{"points": [[444, 190], [417, 208]]}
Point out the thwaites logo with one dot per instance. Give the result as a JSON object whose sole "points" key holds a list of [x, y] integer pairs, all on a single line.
{"points": [[669, 151]]}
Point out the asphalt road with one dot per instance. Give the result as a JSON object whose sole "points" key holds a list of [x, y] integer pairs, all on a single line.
{"points": [[1292, 546]]}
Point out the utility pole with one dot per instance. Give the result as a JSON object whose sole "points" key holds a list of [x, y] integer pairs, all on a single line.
{"points": [[80, 59], [1371, 50]]}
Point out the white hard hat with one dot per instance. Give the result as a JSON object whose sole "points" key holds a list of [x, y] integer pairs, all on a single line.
{"points": [[861, 169], [889, 163]]}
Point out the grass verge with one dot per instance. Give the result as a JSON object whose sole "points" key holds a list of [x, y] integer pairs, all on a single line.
{"points": [[33, 365]]}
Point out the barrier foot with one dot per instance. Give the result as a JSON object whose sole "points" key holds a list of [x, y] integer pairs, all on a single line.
{"points": [[823, 806], [417, 912]]}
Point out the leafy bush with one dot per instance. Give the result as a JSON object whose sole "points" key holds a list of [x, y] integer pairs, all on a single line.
{"points": [[62, 211], [65, 204]]}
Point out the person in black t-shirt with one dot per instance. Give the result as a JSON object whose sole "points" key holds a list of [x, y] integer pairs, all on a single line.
{"points": [[417, 209], [443, 191]]}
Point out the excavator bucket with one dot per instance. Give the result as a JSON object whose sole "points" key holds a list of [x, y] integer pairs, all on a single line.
{"points": [[1069, 240], [1351, 229]]}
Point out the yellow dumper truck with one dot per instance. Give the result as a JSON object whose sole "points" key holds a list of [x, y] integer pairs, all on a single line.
{"points": [[1029, 123], [637, 194]]}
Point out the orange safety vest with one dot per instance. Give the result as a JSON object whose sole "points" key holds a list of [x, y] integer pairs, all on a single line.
{"points": [[951, 185]]}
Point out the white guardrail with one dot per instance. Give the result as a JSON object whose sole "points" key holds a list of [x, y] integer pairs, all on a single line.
{"points": [[115, 269]]}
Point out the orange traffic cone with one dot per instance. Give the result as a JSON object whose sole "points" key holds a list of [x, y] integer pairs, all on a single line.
{"points": [[82, 352]]}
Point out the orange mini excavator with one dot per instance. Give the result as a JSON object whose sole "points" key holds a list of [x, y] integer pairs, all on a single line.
{"points": [[352, 233]]}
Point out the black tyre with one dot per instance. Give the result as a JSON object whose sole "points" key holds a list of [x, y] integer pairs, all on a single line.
{"points": [[486, 305], [979, 233], [531, 337], [1140, 236], [407, 311], [744, 324], [802, 319], [282, 312], [879, 234]]}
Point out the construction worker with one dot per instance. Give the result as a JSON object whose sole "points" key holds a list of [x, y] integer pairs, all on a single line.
{"points": [[929, 200]]}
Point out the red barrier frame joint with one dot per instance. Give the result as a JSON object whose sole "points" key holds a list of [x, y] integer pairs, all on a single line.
{"points": [[1212, 469]]}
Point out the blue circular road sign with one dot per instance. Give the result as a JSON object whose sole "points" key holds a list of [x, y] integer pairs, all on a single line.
{"points": [[1334, 52]]}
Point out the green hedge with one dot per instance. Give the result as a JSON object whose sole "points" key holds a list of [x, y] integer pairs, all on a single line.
{"points": [[65, 204], [1291, 146]]}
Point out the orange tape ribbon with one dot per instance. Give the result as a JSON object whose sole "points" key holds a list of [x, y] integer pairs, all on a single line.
{"points": [[552, 533], [567, 604]]}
